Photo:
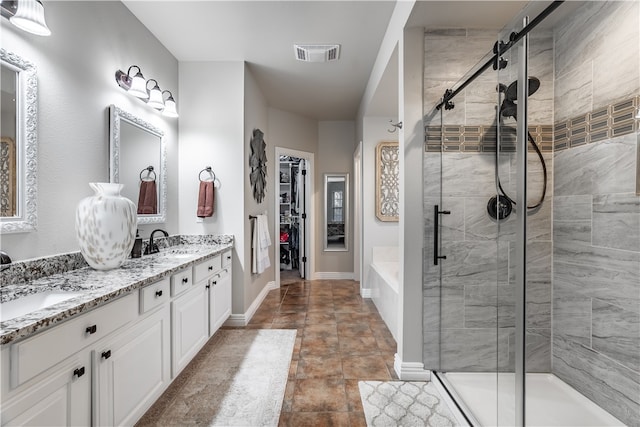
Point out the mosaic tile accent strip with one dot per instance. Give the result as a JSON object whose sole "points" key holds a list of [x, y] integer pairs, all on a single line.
{"points": [[480, 139], [402, 403], [598, 125]]}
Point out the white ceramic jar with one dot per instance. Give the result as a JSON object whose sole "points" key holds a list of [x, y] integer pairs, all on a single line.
{"points": [[106, 226]]}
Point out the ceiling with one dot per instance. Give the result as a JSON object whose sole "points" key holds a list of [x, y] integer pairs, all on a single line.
{"points": [[263, 33]]}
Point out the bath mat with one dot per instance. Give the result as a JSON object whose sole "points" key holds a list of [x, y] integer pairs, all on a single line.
{"points": [[237, 379], [404, 403]]}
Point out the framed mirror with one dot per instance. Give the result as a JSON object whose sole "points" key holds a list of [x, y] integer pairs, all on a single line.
{"points": [[18, 144], [336, 211], [138, 161]]}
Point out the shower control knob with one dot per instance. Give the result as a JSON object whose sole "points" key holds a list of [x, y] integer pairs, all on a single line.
{"points": [[499, 207]]}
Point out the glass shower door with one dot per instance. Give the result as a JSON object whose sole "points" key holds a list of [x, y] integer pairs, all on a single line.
{"points": [[473, 267]]}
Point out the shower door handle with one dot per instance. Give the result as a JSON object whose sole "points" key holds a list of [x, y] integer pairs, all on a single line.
{"points": [[436, 228]]}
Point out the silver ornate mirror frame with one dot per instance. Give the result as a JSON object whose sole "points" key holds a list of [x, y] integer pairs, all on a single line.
{"points": [[116, 116], [26, 218]]}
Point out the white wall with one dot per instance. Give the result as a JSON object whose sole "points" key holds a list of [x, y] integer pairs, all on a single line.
{"points": [[411, 49], [375, 232], [336, 143], [291, 130], [256, 117], [76, 83], [212, 134]]}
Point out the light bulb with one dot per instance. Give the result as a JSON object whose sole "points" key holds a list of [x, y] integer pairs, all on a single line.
{"points": [[155, 96], [30, 17]]}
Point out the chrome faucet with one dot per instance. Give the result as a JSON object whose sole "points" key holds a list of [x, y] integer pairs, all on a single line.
{"points": [[152, 248]]}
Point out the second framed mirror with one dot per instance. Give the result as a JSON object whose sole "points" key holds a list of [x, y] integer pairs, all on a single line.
{"points": [[138, 160], [336, 209]]}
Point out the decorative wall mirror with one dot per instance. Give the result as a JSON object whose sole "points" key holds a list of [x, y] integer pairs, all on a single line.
{"points": [[18, 144], [336, 204], [138, 161]]}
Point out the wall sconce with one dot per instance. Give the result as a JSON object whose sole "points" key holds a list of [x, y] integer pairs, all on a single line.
{"points": [[169, 105], [139, 87], [28, 15], [136, 85]]}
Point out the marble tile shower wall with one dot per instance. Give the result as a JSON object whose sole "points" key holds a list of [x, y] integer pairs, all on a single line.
{"points": [[596, 213], [477, 293]]}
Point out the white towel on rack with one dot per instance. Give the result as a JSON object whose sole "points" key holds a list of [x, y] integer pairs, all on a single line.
{"points": [[261, 240]]}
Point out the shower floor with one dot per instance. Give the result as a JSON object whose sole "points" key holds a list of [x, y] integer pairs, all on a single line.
{"points": [[550, 401]]}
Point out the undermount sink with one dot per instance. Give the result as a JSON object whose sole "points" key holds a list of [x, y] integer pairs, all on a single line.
{"points": [[34, 302], [177, 253]]}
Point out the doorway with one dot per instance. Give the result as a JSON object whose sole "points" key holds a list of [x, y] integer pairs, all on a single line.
{"points": [[293, 216]]}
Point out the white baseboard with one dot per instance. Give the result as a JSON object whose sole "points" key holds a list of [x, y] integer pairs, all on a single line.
{"points": [[410, 371], [243, 319], [365, 292], [333, 275]]}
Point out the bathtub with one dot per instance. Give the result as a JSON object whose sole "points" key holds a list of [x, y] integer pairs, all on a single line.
{"points": [[384, 285]]}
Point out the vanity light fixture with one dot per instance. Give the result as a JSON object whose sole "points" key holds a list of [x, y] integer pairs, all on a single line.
{"points": [[169, 105], [28, 15], [155, 96], [138, 86]]}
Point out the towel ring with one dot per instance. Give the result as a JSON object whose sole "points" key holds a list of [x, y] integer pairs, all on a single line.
{"points": [[207, 169], [150, 171]]}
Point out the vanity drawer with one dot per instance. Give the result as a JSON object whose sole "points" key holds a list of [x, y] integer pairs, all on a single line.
{"points": [[44, 350], [206, 268], [181, 281], [226, 259], [154, 295]]}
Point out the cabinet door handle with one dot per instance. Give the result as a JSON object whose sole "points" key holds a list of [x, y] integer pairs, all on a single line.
{"points": [[185, 280], [91, 329], [159, 293], [228, 256], [106, 354], [210, 268], [208, 286], [214, 282], [78, 372]]}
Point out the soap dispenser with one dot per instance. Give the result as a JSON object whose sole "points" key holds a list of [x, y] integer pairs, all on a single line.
{"points": [[136, 252]]}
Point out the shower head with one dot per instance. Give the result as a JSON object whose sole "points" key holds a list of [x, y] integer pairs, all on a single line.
{"points": [[512, 91], [509, 108]]}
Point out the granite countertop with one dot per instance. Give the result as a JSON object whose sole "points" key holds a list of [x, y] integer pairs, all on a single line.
{"points": [[99, 287]]}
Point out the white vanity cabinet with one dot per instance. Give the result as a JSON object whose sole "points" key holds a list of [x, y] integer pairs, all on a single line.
{"points": [[46, 379], [109, 365], [189, 322], [132, 368], [215, 275], [219, 299], [61, 396]]}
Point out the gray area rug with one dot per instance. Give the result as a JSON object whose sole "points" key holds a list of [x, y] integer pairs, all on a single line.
{"points": [[403, 403], [237, 379]]}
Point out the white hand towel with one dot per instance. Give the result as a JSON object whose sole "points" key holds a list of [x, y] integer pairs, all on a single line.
{"points": [[261, 240]]}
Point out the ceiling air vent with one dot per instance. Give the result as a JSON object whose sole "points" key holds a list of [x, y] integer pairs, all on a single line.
{"points": [[317, 52]]}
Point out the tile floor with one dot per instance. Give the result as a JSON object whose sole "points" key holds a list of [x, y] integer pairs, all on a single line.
{"points": [[341, 340]]}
